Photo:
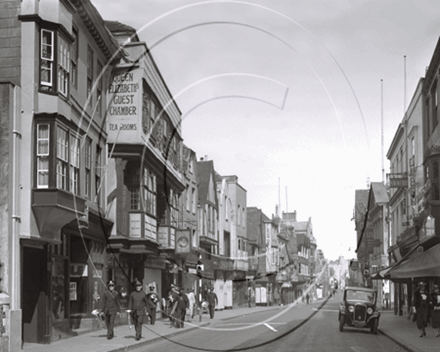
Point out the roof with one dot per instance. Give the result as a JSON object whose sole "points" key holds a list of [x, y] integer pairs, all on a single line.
{"points": [[205, 169], [253, 224], [380, 193], [118, 28]]}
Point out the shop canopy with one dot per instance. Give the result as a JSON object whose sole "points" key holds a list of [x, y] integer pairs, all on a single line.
{"points": [[423, 264], [382, 274]]}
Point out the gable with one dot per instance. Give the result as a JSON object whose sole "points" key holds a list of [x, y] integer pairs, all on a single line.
{"points": [[211, 190]]}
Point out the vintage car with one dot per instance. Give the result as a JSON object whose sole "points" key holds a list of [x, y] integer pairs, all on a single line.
{"points": [[358, 309]]}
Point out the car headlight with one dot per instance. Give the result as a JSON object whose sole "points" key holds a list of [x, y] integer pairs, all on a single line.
{"points": [[351, 309], [370, 310]]}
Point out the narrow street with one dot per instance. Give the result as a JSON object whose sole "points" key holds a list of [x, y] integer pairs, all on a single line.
{"points": [[301, 328]]}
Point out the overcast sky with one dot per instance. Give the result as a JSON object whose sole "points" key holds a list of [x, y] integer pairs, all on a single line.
{"points": [[287, 94]]}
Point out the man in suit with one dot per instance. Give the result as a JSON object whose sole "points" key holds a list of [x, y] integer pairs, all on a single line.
{"points": [[182, 306], [212, 299], [137, 305], [110, 307], [153, 298]]}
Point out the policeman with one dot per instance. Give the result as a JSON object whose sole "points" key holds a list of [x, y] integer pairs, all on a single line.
{"points": [[137, 305], [110, 307], [153, 298]]}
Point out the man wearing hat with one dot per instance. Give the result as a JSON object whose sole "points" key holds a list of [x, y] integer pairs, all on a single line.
{"points": [[110, 306], [421, 307], [153, 298], [137, 305]]}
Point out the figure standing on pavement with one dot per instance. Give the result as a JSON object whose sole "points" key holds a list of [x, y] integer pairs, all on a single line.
{"points": [[153, 298], [137, 306], [110, 307], [212, 299], [174, 300], [421, 307], [435, 305], [307, 298], [182, 306], [192, 302]]}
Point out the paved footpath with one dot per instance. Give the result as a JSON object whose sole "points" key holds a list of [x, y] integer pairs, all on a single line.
{"points": [[400, 329]]}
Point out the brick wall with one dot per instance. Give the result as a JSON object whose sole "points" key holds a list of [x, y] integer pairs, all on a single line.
{"points": [[10, 41]]}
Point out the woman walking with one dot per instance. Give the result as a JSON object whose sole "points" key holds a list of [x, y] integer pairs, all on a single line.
{"points": [[421, 307], [435, 313]]}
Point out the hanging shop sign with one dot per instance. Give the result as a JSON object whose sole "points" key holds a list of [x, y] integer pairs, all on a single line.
{"points": [[183, 241], [397, 180]]}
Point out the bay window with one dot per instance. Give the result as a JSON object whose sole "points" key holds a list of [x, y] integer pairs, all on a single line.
{"points": [[88, 168], [43, 155], [54, 62], [62, 155], [74, 164], [149, 192]]}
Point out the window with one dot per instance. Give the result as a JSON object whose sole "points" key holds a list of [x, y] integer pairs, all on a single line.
{"points": [[98, 164], [43, 155], [88, 168], [89, 74], [413, 147], [174, 207], [434, 98], [435, 193], [99, 89], [194, 201], [62, 155], [149, 191], [63, 66], [47, 58], [74, 164], [54, 69], [428, 118], [188, 199], [238, 215], [74, 58]]}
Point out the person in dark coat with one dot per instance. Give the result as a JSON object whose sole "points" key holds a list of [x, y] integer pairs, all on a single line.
{"points": [[307, 298], [212, 299], [421, 307], [153, 298], [182, 306], [137, 305], [110, 307], [435, 306]]}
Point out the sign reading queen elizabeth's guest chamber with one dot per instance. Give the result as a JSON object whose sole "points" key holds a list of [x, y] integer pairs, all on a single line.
{"points": [[124, 114]]}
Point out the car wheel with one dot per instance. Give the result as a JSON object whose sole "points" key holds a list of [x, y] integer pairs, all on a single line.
{"points": [[373, 327], [341, 322]]}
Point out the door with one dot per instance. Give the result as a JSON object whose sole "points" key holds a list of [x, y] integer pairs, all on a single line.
{"points": [[34, 294]]}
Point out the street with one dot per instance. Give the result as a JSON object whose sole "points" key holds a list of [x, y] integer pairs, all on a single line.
{"points": [[302, 328]]}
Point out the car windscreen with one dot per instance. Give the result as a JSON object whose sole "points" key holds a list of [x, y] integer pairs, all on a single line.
{"points": [[360, 296]]}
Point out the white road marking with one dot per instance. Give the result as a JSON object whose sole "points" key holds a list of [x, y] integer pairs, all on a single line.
{"points": [[327, 310], [270, 327], [250, 324]]}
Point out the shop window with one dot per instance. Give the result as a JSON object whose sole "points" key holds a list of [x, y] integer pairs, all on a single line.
{"points": [[59, 279]]}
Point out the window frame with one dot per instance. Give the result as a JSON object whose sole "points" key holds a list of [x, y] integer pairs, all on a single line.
{"points": [[46, 155], [51, 60]]}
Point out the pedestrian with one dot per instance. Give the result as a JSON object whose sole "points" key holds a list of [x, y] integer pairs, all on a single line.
{"points": [[110, 307], [435, 305], [212, 299], [153, 298], [182, 306], [421, 307], [174, 300], [307, 298], [137, 308], [192, 302]]}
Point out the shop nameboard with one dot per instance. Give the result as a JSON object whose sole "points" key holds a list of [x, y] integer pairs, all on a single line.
{"points": [[155, 263], [192, 271], [397, 180], [124, 115], [78, 270]]}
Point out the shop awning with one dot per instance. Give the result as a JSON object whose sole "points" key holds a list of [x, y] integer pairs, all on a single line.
{"points": [[381, 274], [423, 264]]}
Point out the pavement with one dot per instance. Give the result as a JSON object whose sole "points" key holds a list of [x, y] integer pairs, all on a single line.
{"points": [[398, 328]]}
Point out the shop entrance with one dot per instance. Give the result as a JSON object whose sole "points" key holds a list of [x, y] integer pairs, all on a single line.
{"points": [[34, 295]]}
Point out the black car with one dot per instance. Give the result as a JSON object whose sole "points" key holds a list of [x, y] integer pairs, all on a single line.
{"points": [[358, 309]]}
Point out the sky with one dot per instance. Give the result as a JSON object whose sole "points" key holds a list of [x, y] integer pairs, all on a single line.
{"points": [[291, 96]]}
